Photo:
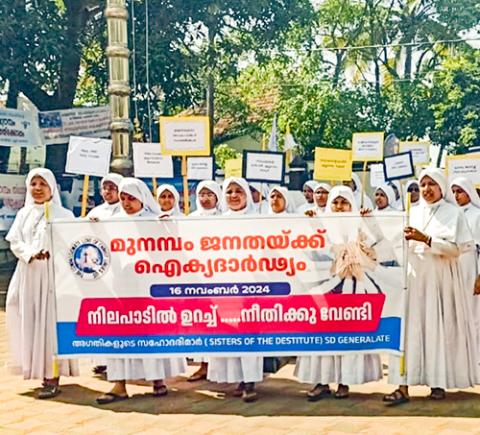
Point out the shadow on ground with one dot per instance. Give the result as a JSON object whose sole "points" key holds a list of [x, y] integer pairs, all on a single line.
{"points": [[277, 397]]}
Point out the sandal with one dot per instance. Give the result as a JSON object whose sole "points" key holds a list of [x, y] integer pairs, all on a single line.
{"points": [[249, 394], [99, 370], [437, 394], [107, 398], [48, 391], [160, 390], [318, 392], [238, 392], [199, 375], [396, 398], [342, 392]]}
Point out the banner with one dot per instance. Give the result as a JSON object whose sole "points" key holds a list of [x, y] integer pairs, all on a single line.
{"points": [[57, 126], [18, 128], [236, 286], [12, 198]]}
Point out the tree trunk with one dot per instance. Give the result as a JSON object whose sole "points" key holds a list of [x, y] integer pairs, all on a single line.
{"points": [[77, 16]]}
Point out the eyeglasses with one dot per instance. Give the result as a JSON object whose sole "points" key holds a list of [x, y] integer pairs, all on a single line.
{"points": [[110, 188]]}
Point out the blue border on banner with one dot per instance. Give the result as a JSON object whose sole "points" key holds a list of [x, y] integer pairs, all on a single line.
{"points": [[387, 336]]}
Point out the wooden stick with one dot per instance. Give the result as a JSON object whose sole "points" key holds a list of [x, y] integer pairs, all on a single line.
{"points": [[408, 207], [364, 180], [186, 198], [155, 186], [55, 367], [86, 181]]}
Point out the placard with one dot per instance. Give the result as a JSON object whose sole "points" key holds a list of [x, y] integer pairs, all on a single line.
{"points": [[264, 166], [185, 135], [58, 125], [464, 165], [19, 128], [332, 164], [12, 194], [88, 156], [233, 167], [36, 156], [148, 161], [398, 166], [367, 147], [200, 168], [377, 175], [420, 151]]}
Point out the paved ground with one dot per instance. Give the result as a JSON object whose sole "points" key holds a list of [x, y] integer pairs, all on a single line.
{"points": [[205, 408]]}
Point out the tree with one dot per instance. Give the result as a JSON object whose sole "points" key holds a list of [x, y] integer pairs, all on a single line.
{"points": [[456, 104], [43, 44]]}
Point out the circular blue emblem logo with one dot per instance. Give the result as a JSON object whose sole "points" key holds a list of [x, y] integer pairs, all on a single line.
{"points": [[89, 258]]}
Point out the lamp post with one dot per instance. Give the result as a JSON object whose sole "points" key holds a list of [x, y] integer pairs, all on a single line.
{"points": [[119, 84]]}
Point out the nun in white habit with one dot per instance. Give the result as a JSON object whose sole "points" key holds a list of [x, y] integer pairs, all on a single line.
{"points": [[356, 185], [245, 370], [468, 200], [320, 198], [344, 370], [413, 188], [279, 202], [384, 198], [440, 345], [30, 306], [208, 199], [169, 200], [308, 191], [260, 196], [110, 208], [109, 191], [137, 201]]}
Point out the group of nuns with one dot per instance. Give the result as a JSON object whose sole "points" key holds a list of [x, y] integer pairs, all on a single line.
{"points": [[441, 336]]}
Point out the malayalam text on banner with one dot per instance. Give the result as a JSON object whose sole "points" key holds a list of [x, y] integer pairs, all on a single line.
{"points": [[263, 286]]}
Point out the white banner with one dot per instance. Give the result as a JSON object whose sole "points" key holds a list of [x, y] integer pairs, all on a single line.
{"points": [[57, 126], [19, 128], [232, 286]]}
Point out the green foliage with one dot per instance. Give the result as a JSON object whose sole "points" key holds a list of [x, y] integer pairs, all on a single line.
{"points": [[456, 103], [223, 153]]}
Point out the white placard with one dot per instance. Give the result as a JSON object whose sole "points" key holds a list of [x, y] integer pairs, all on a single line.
{"points": [[420, 151], [264, 167], [88, 156], [200, 168], [19, 128], [467, 165], [57, 126], [367, 146], [12, 193], [399, 166], [183, 136], [377, 175], [148, 161]]}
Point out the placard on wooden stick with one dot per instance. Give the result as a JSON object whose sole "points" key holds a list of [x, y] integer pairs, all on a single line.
{"points": [[200, 168], [88, 156], [185, 135], [465, 165], [398, 166], [420, 151], [332, 164], [233, 167], [367, 147], [148, 161], [264, 166]]}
